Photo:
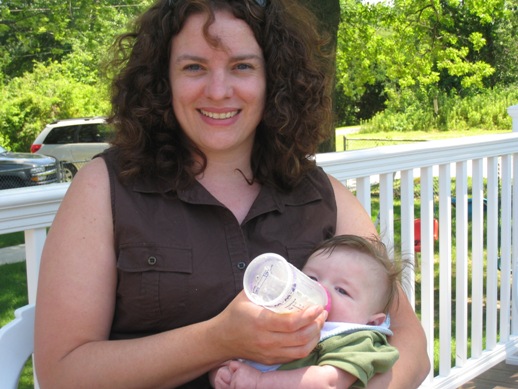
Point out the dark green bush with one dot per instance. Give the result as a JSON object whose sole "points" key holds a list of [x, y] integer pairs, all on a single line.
{"points": [[412, 111]]}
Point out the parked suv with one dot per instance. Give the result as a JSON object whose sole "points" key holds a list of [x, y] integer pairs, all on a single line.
{"points": [[73, 142], [25, 169]]}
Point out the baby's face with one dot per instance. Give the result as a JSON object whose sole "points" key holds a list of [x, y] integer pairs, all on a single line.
{"points": [[353, 281]]}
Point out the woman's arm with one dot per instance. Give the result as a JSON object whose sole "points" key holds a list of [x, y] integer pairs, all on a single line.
{"points": [[409, 338], [76, 300], [413, 364]]}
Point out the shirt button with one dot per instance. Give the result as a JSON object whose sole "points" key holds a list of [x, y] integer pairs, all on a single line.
{"points": [[151, 261], [241, 265]]}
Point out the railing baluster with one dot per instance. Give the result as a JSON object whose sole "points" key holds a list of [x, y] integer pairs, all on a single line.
{"points": [[514, 255], [407, 232], [477, 258], [461, 288], [445, 271], [505, 248], [492, 252], [387, 209], [427, 258], [34, 242], [363, 193]]}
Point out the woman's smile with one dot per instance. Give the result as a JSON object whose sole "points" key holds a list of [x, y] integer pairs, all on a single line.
{"points": [[219, 115]]}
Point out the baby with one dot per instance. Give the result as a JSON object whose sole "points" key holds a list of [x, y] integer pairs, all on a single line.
{"points": [[362, 283]]}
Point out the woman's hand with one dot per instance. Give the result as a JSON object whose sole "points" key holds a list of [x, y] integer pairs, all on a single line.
{"points": [[251, 332]]}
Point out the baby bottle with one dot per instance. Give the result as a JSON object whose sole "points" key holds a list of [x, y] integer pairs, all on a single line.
{"points": [[274, 283]]}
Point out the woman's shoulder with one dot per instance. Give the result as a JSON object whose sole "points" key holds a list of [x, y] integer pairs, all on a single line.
{"points": [[90, 180]]}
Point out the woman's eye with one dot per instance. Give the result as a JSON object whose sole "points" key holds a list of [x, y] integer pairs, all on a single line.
{"points": [[243, 66], [193, 67]]}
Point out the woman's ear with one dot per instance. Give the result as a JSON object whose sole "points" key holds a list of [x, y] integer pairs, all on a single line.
{"points": [[377, 319]]}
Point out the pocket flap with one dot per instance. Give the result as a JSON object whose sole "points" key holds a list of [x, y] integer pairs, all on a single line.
{"points": [[141, 258]]}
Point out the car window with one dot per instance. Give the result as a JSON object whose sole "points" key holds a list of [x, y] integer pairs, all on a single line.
{"points": [[61, 135], [94, 133], [88, 134], [105, 133]]}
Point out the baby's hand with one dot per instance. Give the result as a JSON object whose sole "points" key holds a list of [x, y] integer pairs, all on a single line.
{"points": [[220, 377], [243, 376]]}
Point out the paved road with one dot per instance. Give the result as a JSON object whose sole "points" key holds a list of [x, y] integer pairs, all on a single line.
{"points": [[348, 130], [12, 254]]}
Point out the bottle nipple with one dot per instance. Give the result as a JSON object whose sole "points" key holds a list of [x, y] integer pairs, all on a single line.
{"points": [[328, 305]]}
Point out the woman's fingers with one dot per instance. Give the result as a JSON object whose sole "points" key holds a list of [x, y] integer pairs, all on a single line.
{"points": [[258, 334]]}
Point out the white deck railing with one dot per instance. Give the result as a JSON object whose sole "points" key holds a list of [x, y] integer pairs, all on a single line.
{"points": [[474, 295], [480, 169]]}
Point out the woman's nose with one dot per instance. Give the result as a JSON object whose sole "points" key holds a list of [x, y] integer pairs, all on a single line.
{"points": [[218, 86]]}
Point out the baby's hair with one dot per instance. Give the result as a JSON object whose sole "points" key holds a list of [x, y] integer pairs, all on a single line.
{"points": [[377, 251]]}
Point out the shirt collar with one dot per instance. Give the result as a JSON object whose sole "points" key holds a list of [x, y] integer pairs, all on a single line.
{"points": [[268, 200]]}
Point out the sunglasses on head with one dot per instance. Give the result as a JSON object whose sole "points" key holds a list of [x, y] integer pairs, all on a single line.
{"points": [[261, 3]]}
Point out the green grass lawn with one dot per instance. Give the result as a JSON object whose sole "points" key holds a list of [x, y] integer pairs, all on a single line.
{"points": [[12, 239], [360, 140], [13, 294], [13, 290]]}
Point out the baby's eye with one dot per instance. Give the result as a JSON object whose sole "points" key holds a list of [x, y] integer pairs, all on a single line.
{"points": [[342, 291], [313, 278]]}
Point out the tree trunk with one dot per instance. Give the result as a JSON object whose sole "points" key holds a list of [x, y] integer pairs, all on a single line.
{"points": [[328, 13]]}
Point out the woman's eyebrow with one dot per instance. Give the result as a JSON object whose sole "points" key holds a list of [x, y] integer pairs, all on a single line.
{"points": [[190, 57], [196, 58], [247, 57]]}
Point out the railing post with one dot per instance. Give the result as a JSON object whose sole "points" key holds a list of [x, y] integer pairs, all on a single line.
{"points": [[34, 242], [513, 112]]}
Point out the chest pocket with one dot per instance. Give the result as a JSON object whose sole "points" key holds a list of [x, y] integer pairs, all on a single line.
{"points": [[153, 285]]}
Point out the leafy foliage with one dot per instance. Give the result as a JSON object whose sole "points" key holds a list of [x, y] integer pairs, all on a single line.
{"points": [[50, 56], [47, 93], [484, 110], [39, 31], [421, 54]]}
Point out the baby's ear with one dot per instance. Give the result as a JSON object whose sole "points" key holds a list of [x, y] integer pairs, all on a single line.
{"points": [[377, 319]]}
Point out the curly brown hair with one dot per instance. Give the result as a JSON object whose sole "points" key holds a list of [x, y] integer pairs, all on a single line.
{"points": [[298, 110]]}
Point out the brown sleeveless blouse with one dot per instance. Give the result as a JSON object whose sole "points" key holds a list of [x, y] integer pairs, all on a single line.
{"points": [[181, 257]]}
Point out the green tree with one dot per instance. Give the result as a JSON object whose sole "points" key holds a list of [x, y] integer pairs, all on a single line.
{"points": [[31, 31], [406, 49], [47, 93], [38, 31], [328, 15], [505, 45], [50, 56]]}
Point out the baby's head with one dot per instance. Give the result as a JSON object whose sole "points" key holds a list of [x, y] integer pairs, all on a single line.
{"points": [[361, 279]]}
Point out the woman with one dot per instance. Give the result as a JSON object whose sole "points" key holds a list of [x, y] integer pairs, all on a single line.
{"points": [[217, 108]]}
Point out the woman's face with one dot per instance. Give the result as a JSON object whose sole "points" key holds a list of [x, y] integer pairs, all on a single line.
{"points": [[218, 92]]}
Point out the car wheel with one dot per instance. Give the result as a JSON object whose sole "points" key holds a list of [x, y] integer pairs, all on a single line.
{"points": [[68, 172]]}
